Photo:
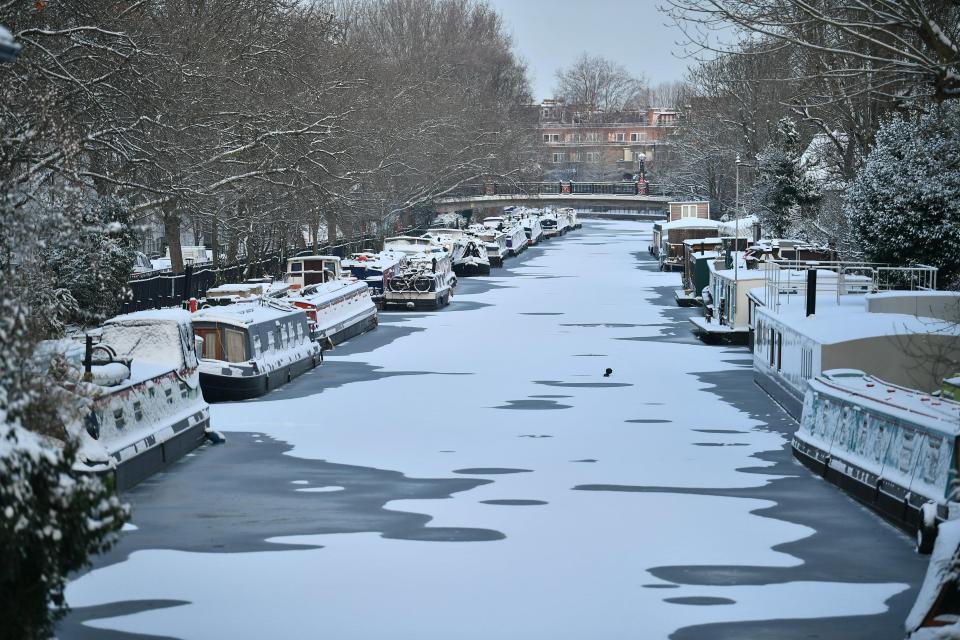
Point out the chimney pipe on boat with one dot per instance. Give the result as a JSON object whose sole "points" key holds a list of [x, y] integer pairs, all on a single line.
{"points": [[811, 291], [88, 359]]}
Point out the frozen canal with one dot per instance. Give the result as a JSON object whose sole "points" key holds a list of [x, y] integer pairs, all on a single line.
{"points": [[471, 474]]}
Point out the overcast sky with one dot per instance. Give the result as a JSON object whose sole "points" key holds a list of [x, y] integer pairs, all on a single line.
{"points": [[550, 34]]}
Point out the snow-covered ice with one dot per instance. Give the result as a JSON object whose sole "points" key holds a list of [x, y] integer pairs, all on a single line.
{"points": [[538, 334]]}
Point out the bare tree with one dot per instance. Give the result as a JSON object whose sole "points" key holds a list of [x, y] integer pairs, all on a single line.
{"points": [[598, 85]]}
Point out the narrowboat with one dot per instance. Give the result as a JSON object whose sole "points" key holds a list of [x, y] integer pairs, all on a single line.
{"points": [[570, 220], [424, 252], [470, 258], [532, 229], [893, 448], [417, 286], [337, 309], [550, 224], [668, 238], [374, 268], [141, 372], [513, 231], [696, 273], [249, 348], [725, 301], [495, 243]]}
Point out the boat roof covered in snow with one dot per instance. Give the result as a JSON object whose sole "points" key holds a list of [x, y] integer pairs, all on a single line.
{"points": [[244, 315], [909, 405]]}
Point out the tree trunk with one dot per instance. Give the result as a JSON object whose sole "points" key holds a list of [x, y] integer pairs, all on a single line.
{"points": [[171, 232], [331, 227]]}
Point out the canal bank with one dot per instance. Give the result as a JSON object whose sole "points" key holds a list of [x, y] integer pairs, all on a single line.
{"points": [[472, 473]]}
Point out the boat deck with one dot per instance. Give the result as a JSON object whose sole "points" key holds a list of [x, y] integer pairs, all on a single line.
{"points": [[717, 331]]}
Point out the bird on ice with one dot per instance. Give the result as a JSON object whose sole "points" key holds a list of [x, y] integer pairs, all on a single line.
{"points": [[606, 374]]}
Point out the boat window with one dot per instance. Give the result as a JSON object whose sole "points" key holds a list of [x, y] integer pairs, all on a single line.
{"points": [[211, 342], [270, 341], [234, 345], [284, 335], [296, 267], [931, 460], [299, 332], [907, 445], [256, 345]]}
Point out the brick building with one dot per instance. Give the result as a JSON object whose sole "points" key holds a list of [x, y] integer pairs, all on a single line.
{"points": [[601, 146]]}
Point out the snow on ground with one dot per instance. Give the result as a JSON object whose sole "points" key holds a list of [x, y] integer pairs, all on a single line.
{"points": [[508, 379]]}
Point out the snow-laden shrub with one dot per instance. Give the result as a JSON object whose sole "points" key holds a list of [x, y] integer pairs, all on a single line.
{"points": [[904, 206], [52, 518], [784, 195]]}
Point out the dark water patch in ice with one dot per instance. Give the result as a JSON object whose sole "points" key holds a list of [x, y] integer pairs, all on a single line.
{"points": [[605, 325], [337, 373], [477, 286], [454, 534], [585, 460], [660, 586], [719, 431], [447, 451], [233, 497], [490, 471], [648, 421], [533, 405], [385, 333], [73, 627], [597, 385], [515, 502], [535, 435], [465, 305], [589, 355], [655, 403], [700, 600], [541, 313], [720, 444]]}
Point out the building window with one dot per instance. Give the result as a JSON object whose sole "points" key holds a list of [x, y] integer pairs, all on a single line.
{"points": [[593, 136], [637, 137], [621, 137], [559, 157], [577, 157], [593, 156], [551, 137], [688, 211]]}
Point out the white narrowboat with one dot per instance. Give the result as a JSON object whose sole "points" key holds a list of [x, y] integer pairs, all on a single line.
{"points": [[417, 286], [725, 301], [336, 309], [252, 347], [891, 447], [470, 258], [147, 409], [532, 229], [495, 243]]}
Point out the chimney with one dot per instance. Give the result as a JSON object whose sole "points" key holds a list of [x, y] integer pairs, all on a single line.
{"points": [[811, 291]]}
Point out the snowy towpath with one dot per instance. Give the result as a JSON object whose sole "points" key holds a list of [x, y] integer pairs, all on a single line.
{"points": [[471, 474]]}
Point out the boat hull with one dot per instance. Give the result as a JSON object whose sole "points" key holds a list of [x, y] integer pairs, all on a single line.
{"points": [[895, 503], [222, 388], [470, 269], [190, 434]]}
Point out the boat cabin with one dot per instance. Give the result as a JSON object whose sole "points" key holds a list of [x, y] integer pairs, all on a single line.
{"points": [[668, 239], [304, 271], [689, 209]]}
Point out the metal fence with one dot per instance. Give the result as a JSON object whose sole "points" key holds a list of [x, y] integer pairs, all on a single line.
{"points": [[787, 279], [164, 288], [558, 187]]}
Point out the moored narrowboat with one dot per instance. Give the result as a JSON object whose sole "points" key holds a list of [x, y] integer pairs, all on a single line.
{"points": [[251, 348], [141, 373], [337, 309], [891, 447]]}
